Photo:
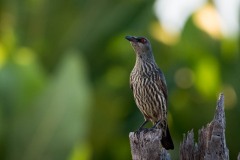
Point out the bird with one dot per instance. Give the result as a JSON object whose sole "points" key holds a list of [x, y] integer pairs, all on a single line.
{"points": [[149, 88]]}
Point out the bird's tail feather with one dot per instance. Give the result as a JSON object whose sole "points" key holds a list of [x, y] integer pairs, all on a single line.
{"points": [[166, 141]]}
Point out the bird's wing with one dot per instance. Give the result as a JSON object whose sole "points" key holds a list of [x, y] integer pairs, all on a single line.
{"points": [[162, 84]]}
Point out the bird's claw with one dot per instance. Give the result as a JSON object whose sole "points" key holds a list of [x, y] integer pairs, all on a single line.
{"points": [[152, 129], [144, 130], [156, 124]]}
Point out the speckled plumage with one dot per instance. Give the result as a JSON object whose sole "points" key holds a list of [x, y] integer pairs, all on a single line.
{"points": [[149, 87]]}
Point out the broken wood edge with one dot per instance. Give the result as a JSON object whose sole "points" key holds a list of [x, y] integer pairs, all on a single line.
{"points": [[211, 139]]}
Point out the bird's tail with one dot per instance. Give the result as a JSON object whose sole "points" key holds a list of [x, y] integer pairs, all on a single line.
{"points": [[166, 141]]}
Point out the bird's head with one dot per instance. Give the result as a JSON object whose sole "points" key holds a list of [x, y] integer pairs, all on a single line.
{"points": [[141, 46]]}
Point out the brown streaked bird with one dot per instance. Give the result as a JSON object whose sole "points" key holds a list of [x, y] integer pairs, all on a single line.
{"points": [[149, 88]]}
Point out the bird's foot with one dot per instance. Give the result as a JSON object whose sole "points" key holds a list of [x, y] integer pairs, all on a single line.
{"points": [[156, 125], [140, 130], [145, 130], [152, 129]]}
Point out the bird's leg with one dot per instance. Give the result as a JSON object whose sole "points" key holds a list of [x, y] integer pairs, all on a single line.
{"points": [[141, 127], [144, 123], [156, 124], [160, 124]]}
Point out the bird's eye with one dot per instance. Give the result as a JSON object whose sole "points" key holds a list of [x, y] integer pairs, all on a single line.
{"points": [[143, 40]]}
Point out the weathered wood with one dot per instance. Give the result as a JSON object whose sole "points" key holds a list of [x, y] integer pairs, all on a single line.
{"points": [[146, 145], [188, 150], [211, 143]]}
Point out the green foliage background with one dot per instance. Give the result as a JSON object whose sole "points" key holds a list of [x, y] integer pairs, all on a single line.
{"points": [[64, 79]]}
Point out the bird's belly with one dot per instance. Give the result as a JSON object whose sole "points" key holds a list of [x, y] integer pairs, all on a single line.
{"points": [[150, 100]]}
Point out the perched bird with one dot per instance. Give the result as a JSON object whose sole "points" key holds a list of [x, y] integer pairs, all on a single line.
{"points": [[149, 88]]}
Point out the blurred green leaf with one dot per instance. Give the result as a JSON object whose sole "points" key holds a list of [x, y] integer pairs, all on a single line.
{"points": [[59, 120]]}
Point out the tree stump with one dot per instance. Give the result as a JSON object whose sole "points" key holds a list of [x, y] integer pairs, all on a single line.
{"points": [[146, 145]]}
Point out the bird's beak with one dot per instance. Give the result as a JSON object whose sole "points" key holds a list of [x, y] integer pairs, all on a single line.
{"points": [[131, 38]]}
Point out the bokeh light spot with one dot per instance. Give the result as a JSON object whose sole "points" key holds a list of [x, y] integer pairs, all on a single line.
{"points": [[162, 35], [208, 19], [207, 76], [184, 78], [174, 13]]}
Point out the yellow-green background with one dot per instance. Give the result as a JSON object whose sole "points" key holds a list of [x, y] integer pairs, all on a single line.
{"points": [[64, 78]]}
